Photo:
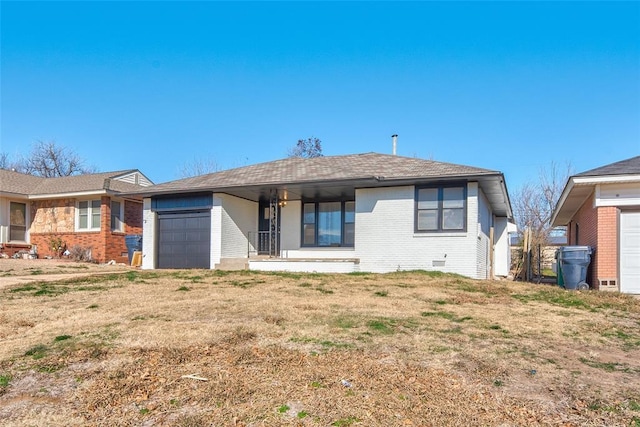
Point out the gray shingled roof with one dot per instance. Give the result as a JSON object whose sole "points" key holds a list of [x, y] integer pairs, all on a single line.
{"points": [[18, 183], [624, 167], [28, 185], [321, 169]]}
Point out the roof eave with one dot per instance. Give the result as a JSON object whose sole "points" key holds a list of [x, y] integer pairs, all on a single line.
{"points": [[606, 179], [12, 195], [70, 194], [378, 181], [569, 202]]}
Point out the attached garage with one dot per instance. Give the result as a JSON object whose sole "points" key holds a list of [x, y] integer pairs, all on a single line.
{"points": [[183, 230], [630, 252]]}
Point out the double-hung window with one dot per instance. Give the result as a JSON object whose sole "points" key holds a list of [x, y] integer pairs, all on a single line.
{"points": [[327, 224], [116, 216], [441, 208], [88, 215], [17, 221]]}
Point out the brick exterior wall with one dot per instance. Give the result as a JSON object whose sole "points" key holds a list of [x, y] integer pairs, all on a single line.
{"points": [[607, 247], [597, 227], [105, 244], [133, 217]]}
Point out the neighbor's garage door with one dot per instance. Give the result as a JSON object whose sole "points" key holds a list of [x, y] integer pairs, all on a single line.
{"points": [[630, 252], [184, 239]]}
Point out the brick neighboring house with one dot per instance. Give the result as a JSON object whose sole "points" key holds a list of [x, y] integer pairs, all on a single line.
{"points": [[601, 209], [90, 211]]}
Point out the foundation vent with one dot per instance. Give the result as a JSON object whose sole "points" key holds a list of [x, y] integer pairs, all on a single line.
{"points": [[608, 284]]}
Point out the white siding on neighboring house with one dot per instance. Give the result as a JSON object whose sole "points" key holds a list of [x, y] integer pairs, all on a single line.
{"points": [[238, 218], [617, 195], [4, 211], [5, 218], [135, 178], [148, 235], [386, 240]]}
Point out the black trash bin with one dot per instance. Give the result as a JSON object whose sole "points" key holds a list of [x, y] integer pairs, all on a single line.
{"points": [[574, 261], [134, 243]]}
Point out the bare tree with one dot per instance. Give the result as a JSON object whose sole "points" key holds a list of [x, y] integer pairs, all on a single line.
{"points": [[5, 161], [49, 160], [198, 166], [307, 148], [535, 201]]}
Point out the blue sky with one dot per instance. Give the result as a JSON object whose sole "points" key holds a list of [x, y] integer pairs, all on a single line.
{"points": [[154, 85]]}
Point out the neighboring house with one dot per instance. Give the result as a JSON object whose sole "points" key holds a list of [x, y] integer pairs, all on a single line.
{"points": [[84, 210], [365, 212], [601, 209]]}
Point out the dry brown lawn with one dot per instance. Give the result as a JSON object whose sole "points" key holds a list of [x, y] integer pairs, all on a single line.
{"points": [[401, 349]]}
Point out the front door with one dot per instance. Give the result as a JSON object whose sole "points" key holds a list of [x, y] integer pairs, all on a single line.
{"points": [[268, 229]]}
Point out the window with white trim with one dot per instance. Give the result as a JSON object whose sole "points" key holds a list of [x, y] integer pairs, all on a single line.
{"points": [[88, 215], [327, 224], [116, 216], [17, 221], [441, 208]]}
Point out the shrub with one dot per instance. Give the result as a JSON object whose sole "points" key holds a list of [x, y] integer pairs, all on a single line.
{"points": [[80, 253]]}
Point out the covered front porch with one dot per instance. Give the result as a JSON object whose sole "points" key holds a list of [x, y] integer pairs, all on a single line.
{"points": [[301, 234]]}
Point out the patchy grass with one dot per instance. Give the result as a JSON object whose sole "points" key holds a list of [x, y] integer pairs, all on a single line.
{"points": [[445, 315], [37, 351], [273, 349], [4, 381]]}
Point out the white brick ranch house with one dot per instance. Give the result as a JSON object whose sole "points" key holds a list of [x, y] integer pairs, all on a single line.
{"points": [[365, 212]]}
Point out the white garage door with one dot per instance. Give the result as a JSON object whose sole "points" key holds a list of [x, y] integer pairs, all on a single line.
{"points": [[630, 252]]}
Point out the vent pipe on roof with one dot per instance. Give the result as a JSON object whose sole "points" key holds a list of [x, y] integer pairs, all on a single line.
{"points": [[394, 138]]}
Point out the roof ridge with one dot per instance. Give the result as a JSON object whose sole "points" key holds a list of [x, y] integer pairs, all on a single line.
{"points": [[615, 168]]}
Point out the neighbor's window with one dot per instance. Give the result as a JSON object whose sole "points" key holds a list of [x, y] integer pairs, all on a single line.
{"points": [[441, 208], [17, 221], [116, 216], [89, 215], [328, 223]]}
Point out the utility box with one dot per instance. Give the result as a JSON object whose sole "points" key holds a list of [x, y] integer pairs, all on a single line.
{"points": [[573, 262]]}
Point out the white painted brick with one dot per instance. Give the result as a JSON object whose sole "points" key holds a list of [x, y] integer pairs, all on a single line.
{"points": [[238, 218], [386, 241], [148, 233]]}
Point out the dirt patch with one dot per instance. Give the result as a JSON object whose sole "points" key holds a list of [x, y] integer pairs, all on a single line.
{"points": [[191, 348], [21, 271]]}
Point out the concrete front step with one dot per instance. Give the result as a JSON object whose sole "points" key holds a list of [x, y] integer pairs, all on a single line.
{"points": [[233, 264]]}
